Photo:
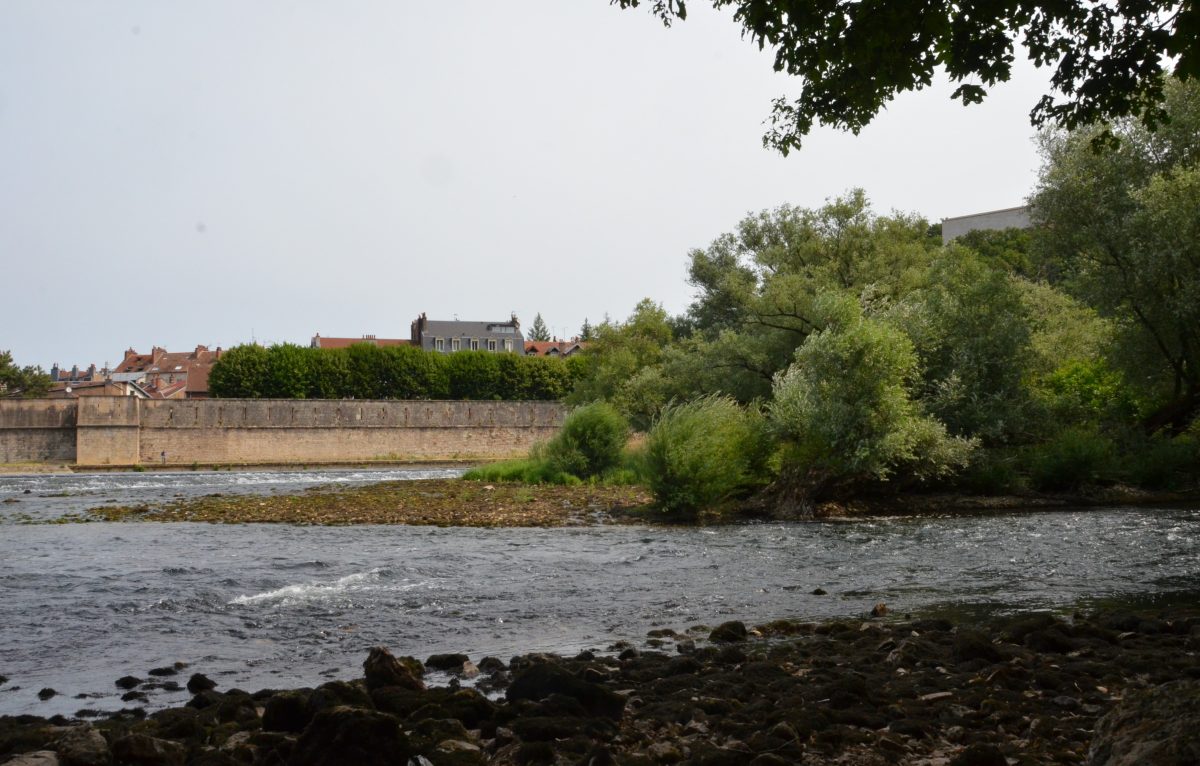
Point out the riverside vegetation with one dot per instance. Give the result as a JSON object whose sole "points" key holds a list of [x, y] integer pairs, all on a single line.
{"points": [[835, 354]]}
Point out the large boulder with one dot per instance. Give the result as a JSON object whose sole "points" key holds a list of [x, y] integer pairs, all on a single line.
{"points": [[540, 681], [1151, 727], [142, 750], [345, 735], [83, 746], [728, 632], [287, 711], [36, 758], [382, 669]]}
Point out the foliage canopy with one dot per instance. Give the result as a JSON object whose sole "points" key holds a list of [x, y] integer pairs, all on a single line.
{"points": [[854, 57]]}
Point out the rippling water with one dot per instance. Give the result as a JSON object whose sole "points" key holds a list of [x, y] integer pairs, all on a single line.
{"points": [[273, 605]]}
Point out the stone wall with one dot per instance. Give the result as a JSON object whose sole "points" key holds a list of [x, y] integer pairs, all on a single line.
{"points": [[37, 430], [102, 431]]}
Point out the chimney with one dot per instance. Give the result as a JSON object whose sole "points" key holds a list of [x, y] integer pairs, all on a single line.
{"points": [[156, 354], [128, 353]]}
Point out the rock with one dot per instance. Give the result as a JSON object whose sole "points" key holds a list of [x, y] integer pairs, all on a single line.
{"points": [[1159, 726], [344, 735], [819, 591], [205, 699], [83, 746], [728, 632], [469, 669], [383, 669], [46, 694], [879, 610], [200, 683], [980, 754], [972, 645], [287, 711], [540, 681], [457, 752], [36, 758], [338, 693], [685, 646], [3, 680], [491, 665], [664, 752], [143, 750], [134, 696], [166, 670], [445, 662]]}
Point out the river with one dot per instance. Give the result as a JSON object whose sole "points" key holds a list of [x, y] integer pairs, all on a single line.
{"points": [[256, 606]]}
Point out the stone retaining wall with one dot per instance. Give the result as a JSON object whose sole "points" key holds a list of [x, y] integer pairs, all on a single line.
{"points": [[103, 431]]}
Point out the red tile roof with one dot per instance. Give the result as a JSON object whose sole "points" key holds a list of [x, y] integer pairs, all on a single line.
{"points": [[553, 347], [320, 342]]}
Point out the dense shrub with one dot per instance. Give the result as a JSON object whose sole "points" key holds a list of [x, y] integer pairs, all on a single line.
{"points": [[701, 453], [846, 408], [366, 371], [1162, 462], [1074, 458], [590, 442]]}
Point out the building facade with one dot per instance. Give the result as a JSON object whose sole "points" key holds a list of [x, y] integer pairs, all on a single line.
{"points": [[448, 336]]}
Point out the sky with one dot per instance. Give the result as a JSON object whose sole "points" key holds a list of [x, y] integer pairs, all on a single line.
{"points": [[219, 172]]}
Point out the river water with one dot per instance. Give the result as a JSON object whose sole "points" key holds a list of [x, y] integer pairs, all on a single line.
{"points": [[256, 606]]}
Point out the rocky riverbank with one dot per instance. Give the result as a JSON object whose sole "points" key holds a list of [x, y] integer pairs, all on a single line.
{"points": [[1103, 688]]}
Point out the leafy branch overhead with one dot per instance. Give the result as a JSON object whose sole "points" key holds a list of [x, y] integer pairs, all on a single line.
{"points": [[854, 56]]}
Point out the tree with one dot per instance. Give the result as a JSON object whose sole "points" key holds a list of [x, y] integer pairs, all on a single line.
{"points": [[972, 334], [854, 57], [586, 332], [538, 331], [847, 406], [756, 286], [1122, 226], [28, 382]]}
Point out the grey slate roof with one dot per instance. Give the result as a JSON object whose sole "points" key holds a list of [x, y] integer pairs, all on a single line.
{"points": [[440, 328]]}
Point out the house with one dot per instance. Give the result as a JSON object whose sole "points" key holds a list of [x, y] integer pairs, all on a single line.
{"points": [[160, 371], [554, 347], [319, 342], [75, 389], [452, 335], [1008, 218]]}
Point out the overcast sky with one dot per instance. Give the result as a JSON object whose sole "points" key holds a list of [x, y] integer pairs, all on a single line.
{"points": [[211, 172]]}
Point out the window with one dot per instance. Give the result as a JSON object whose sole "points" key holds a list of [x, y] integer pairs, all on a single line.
{"points": [[491, 344], [474, 344], [507, 344], [454, 344], [439, 344]]}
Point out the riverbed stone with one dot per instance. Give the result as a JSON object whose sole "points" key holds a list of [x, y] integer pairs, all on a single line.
{"points": [[336, 693], [446, 661], [728, 632], [381, 669], [540, 681], [144, 750], [83, 746], [36, 758], [346, 735], [287, 711], [200, 683], [1159, 726], [128, 682]]}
